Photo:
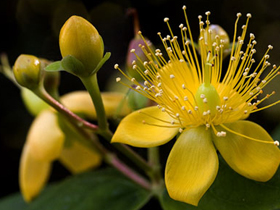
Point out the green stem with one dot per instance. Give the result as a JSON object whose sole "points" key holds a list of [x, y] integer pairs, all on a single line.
{"points": [[154, 161], [92, 87]]}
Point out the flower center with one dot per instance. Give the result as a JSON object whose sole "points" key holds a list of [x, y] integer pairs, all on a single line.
{"points": [[207, 99]]}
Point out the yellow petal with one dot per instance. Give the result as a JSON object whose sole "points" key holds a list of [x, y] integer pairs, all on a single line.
{"points": [[134, 132], [33, 174], [45, 137], [78, 158], [254, 160], [192, 166], [80, 102]]}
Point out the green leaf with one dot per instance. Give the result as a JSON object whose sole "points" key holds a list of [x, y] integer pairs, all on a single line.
{"points": [[101, 190], [73, 66], [276, 133], [168, 203], [55, 66], [13, 202], [101, 63], [231, 191]]}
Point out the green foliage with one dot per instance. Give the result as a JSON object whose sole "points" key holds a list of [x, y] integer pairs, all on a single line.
{"points": [[231, 191], [74, 66], [55, 66], [105, 190], [276, 133]]}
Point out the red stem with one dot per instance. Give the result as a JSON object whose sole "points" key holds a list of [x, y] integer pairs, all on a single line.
{"points": [[128, 172], [43, 94]]}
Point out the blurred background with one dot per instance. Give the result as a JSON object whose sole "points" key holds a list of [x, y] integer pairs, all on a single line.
{"points": [[32, 27]]}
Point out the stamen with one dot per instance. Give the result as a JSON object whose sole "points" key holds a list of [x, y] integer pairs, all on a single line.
{"points": [[247, 137]]}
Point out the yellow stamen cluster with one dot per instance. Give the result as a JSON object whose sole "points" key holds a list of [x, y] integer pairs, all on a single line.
{"points": [[192, 90]]}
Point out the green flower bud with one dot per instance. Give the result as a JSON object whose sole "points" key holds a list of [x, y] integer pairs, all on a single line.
{"points": [[136, 100], [27, 71], [80, 39]]}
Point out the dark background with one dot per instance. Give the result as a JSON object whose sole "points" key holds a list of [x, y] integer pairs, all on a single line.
{"points": [[32, 27]]}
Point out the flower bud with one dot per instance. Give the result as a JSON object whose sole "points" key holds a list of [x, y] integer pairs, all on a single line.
{"points": [[218, 35], [27, 71], [79, 38], [131, 58], [137, 101]]}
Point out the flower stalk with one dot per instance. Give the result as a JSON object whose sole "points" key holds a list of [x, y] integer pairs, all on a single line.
{"points": [[92, 87], [75, 119]]}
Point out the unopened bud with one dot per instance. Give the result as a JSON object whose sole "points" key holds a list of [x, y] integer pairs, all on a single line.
{"points": [[80, 39], [217, 35], [131, 56], [27, 71]]}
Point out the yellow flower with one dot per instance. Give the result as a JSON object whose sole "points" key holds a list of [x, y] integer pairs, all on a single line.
{"points": [[51, 138], [205, 107]]}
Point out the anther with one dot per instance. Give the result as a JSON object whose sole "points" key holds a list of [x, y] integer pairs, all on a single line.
{"points": [[249, 15], [205, 100], [118, 79], [172, 76], [116, 66], [238, 14], [276, 143], [252, 36], [166, 19], [266, 56], [132, 50], [202, 96]]}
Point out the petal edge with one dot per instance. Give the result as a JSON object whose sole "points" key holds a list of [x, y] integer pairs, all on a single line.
{"points": [[133, 131]]}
